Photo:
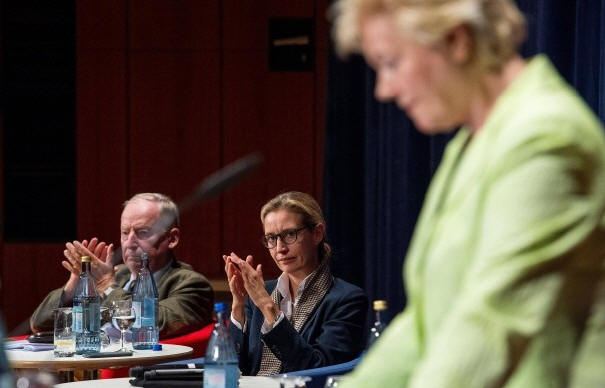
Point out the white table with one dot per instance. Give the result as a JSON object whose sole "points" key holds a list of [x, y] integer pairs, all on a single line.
{"points": [[244, 382], [20, 359]]}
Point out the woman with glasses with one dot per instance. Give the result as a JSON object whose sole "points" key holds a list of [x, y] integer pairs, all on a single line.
{"points": [[304, 319]]}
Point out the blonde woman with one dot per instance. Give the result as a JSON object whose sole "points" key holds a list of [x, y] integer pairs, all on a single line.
{"points": [[306, 318], [503, 275]]}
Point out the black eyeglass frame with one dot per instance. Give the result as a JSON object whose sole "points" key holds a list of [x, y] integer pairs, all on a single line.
{"points": [[282, 236]]}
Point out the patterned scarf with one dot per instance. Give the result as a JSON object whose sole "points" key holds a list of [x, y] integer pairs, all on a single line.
{"points": [[318, 285]]}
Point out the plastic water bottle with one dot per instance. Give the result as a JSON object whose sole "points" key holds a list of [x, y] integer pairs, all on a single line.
{"points": [[221, 362], [379, 325], [6, 376], [145, 334], [86, 312]]}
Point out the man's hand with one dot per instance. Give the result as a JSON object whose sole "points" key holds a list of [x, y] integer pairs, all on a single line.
{"points": [[101, 256]]}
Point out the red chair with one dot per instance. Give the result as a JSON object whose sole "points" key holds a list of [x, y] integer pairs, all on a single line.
{"points": [[198, 340], [18, 338]]}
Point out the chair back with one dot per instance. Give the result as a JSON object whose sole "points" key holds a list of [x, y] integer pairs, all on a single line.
{"points": [[319, 375]]}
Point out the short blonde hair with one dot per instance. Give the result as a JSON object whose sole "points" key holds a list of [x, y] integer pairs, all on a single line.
{"points": [[307, 207], [497, 27]]}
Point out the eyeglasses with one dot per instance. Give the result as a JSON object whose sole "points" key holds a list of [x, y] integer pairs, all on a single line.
{"points": [[288, 237]]}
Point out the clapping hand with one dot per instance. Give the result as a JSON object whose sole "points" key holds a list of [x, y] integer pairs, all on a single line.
{"points": [[101, 256], [237, 288], [242, 274], [234, 277]]}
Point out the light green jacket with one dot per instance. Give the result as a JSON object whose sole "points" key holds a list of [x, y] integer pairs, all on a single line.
{"points": [[505, 272]]}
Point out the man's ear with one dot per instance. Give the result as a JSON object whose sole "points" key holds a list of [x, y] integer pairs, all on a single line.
{"points": [[173, 237], [459, 44]]}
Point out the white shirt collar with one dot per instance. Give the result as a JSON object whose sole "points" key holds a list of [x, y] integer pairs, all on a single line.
{"points": [[283, 287], [157, 275]]}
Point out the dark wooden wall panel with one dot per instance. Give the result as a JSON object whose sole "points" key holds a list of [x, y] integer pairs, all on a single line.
{"points": [[101, 25], [174, 141], [270, 112], [31, 270], [175, 113], [101, 140], [273, 113], [102, 120], [177, 25], [173, 133]]}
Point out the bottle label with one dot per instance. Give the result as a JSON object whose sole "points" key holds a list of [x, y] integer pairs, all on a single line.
{"points": [[148, 316], [94, 315], [214, 377], [77, 319], [136, 306]]}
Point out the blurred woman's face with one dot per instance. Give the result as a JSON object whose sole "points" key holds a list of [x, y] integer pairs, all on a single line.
{"points": [[300, 257], [424, 81]]}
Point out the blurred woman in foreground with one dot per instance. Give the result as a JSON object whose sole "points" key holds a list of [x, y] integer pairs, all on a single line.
{"points": [[504, 273], [304, 319]]}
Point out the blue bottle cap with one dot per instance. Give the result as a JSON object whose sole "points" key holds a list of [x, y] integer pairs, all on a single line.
{"points": [[220, 306], [157, 347]]}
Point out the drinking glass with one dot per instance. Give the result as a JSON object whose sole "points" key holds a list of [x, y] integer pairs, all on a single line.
{"points": [[291, 381], [64, 337], [105, 318], [333, 381], [122, 317]]}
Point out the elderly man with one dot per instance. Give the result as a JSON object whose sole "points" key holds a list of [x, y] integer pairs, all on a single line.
{"points": [[149, 223]]}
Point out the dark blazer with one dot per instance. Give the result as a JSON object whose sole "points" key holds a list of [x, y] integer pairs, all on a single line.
{"points": [[334, 333]]}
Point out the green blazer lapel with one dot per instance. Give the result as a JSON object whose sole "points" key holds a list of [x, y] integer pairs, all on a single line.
{"points": [[435, 196]]}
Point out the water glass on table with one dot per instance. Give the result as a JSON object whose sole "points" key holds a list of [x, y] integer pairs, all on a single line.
{"points": [[122, 318], [334, 381], [291, 381], [64, 337]]}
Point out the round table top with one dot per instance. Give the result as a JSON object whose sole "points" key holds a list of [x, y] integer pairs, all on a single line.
{"points": [[20, 359], [244, 382]]}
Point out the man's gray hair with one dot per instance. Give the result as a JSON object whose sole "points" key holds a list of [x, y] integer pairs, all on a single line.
{"points": [[169, 211]]}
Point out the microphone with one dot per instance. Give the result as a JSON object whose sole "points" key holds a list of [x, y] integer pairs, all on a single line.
{"points": [[221, 180], [139, 371]]}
